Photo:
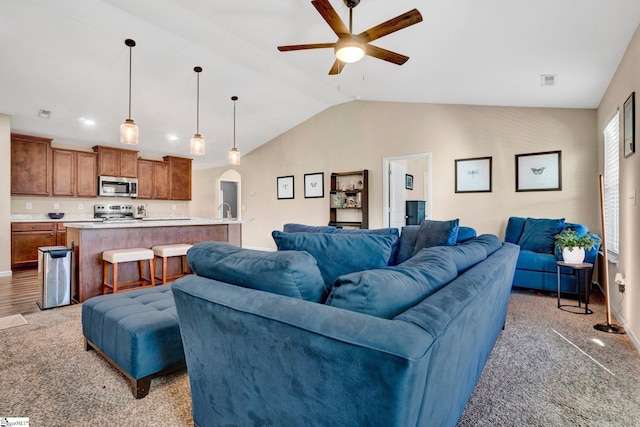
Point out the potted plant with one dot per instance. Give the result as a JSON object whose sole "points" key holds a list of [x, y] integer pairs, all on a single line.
{"points": [[572, 246]]}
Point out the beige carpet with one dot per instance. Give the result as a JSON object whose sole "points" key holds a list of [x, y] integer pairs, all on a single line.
{"points": [[545, 370], [12, 321]]}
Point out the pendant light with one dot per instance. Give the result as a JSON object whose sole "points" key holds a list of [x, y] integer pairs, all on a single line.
{"points": [[234, 154], [197, 142], [129, 130]]}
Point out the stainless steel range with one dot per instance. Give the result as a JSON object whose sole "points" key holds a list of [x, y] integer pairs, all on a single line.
{"points": [[113, 212]]}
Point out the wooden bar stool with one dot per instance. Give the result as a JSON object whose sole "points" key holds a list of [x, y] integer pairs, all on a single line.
{"points": [[115, 256], [167, 251]]}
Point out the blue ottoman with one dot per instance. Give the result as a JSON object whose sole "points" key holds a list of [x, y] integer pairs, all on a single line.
{"points": [[137, 332]]}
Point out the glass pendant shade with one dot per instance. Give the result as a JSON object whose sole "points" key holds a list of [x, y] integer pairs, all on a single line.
{"points": [[349, 50], [234, 157], [129, 132], [197, 145]]}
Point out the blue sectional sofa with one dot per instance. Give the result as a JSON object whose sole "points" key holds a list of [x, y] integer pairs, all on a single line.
{"points": [[537, 262], [330, 331]]}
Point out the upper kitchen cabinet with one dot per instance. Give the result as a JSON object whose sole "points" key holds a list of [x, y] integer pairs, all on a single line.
{"points": [[30, 165], [117, 162], [179, 177], [153, 179], [74, 173]]}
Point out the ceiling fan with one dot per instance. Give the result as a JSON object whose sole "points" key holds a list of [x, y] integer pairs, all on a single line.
{"points": [[353, 47]]}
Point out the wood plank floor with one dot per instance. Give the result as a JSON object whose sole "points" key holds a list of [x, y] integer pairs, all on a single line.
{"points": [[19, 293]]}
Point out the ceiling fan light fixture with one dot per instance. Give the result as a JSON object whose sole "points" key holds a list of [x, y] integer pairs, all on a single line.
{"points": [[349, 50], [129, 130]]}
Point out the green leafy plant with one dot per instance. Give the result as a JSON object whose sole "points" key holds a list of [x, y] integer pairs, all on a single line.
{"points": [[568, 238]]}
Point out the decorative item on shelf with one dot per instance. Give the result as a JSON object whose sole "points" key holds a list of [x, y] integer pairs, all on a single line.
{"points": [[197, 142], [336, 200], [572, 246], [129, 130], [234, 154]]}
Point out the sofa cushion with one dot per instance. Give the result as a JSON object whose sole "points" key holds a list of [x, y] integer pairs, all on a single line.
{"points": [[295, 274], [514, 229], [381, 231], [297, 228], [538, 234], [464, 256], [490, 242], [389, 291], [535, 261], [338, 254], [436, 233]]}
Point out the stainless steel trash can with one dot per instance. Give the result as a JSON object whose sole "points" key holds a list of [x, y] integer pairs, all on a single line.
{"points": [[54, 275]]}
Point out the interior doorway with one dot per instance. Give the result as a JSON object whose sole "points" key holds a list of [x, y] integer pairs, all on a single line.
{"points": [[406, 178], [228, 191]]}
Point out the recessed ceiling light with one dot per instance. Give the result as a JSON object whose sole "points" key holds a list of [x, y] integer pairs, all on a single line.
{"points": [[89, 122], [172, 137], [44, 114]]}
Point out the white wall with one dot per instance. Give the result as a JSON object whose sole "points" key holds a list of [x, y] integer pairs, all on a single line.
{"points": [[358, 135], [5, 194], [626, 81]]}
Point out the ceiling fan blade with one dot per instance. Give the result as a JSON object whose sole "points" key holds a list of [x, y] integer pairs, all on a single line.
{"points": [[386, 55], [329, 14], [392, 25], [305, 46], [337, 67]]}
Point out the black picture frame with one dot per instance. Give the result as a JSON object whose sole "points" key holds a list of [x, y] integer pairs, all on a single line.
{"points": [[629, 125], [314, 185], [285, 187], [408, 181], [539, 171], [474, 175]]}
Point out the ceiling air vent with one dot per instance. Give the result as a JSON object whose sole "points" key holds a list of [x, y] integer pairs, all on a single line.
{"points": [[548, 79], [44, 114]]}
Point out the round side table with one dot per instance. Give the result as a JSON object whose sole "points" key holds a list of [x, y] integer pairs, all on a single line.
{"points": [[577, 270]]}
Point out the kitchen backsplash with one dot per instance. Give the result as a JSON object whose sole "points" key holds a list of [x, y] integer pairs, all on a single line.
{"points": [[79, 206]]}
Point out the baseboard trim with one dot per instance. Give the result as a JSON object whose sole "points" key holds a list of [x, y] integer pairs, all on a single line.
{"points": [[627, 330], [8, 273]]}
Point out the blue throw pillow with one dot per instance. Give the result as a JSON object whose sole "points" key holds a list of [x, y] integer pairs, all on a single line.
{"points": [[436, 233], [292, 273], [390, 291], [381, 231], [514, 229], [465, 234], [297, 228], [538, 234], [408, 239], [338, 254]]}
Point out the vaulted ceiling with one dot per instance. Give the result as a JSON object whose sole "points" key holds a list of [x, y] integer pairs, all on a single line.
{"points": [[69, 57]]}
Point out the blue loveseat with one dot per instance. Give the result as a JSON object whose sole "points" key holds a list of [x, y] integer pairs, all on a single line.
{"points": [[327, 331], [537, 262]]}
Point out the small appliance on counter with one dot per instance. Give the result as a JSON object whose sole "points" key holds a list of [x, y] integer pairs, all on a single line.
{"points": [[113, 212]]}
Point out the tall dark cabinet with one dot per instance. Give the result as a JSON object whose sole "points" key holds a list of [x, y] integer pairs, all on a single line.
{"points": [[414, 212]]}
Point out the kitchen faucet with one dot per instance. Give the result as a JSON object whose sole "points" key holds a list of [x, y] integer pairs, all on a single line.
{"points": [[222, 205]]}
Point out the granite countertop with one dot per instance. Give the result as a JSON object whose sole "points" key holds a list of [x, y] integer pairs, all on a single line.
{"points": [[153, 222]]}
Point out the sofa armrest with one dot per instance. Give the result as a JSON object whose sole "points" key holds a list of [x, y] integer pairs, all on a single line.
{"points": [[301, 360]]}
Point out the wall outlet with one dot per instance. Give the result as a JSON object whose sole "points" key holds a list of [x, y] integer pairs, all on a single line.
{"points": [[80, 206], [29, 205], [621, 287], [56, 206], [173, 207]]}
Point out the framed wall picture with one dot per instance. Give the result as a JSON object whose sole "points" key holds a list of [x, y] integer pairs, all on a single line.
{"points": [[313, 185], [474, 175], [629, 139], [539, 171], [408, 182], [285, 187]]}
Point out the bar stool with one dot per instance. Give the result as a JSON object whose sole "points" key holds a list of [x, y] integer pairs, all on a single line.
{"points": [[167, 251], [115, 256]]}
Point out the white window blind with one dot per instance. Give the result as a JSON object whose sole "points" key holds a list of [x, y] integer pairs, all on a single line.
{"points": [[611, 184]]}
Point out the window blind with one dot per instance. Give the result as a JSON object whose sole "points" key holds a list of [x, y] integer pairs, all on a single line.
{"points": [[611, 184]]}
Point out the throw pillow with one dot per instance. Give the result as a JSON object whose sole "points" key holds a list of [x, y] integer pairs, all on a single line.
{"points": [[338, 254], [436, 233], [297, 228], [381, 231], [538, 234], [389, 291], [295, 274]]}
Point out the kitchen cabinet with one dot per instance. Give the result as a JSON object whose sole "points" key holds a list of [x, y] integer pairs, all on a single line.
{"points": [[179, 177], [26, 238], [153, 179], [74, 173], [61, 234], [349, 199], [30, 165], [117, 161]]}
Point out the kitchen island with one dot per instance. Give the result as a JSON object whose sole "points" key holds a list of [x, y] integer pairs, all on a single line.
{"points": [[90, 239]]}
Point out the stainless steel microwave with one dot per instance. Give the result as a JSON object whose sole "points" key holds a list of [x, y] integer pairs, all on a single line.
{"points": [[113, 186]]}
